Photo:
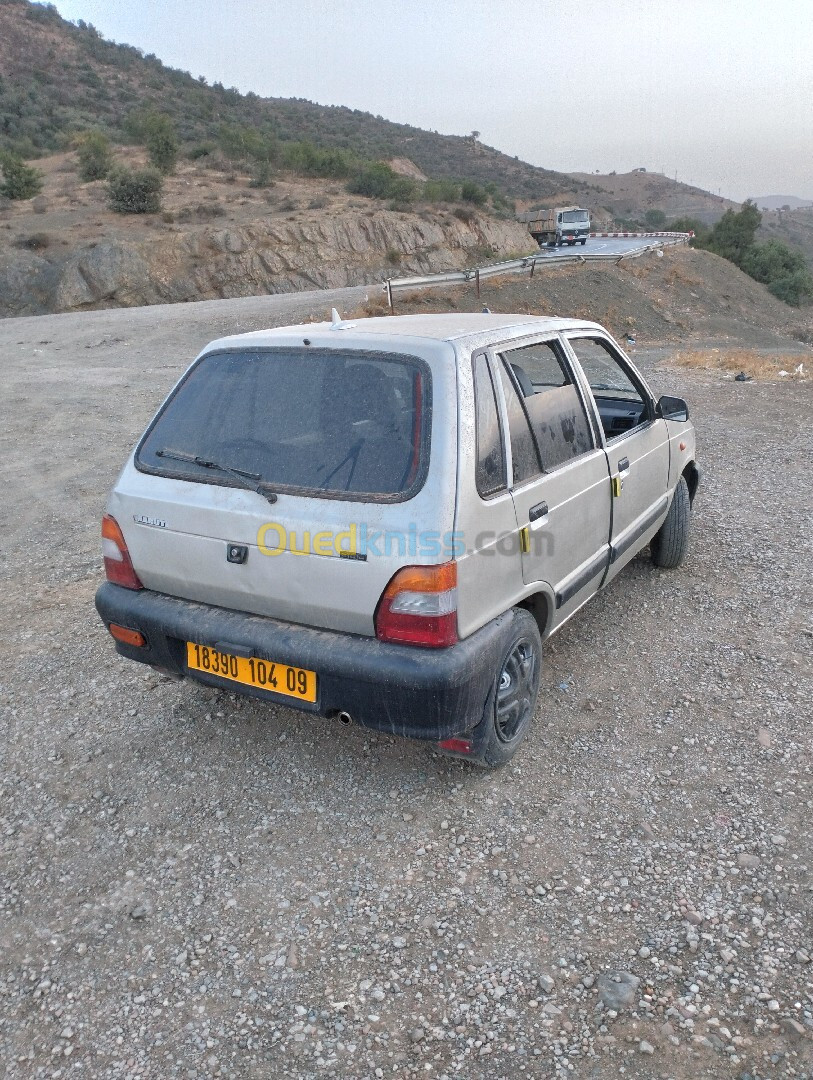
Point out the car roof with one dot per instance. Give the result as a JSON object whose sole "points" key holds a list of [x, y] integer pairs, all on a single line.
{"points": [[445, 327]]}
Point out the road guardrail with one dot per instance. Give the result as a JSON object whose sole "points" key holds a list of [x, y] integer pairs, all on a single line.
{"points": [[528, 263]]}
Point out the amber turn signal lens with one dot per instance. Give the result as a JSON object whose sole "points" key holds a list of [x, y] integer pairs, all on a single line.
{"points": [[127, 636]]}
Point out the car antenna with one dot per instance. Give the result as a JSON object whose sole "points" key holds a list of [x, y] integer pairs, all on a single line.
{"points": [[337, 323]]}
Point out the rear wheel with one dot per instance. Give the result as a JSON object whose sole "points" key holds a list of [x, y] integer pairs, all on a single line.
{"points": [[671, 542], [512, 700]]}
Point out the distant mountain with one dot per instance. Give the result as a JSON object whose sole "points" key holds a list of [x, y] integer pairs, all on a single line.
{"points": [[780, 202], [57, 78], [629, 196]]}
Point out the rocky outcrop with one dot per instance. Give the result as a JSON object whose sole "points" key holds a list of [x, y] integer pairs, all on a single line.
{"points": [[267, 256]]}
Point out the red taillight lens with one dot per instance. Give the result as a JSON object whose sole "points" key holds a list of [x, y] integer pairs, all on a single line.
{"points": [[117, 564], [419, 607], [456, 745]]}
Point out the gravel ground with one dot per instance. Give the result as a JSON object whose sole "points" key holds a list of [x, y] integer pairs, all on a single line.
{"points": [[198, 885]]}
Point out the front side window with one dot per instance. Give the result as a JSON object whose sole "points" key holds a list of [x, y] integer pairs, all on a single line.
{"points": [[490, 471], [551, 402], [621, 401], [321, 421]]}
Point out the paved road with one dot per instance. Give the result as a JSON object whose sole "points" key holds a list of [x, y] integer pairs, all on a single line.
{"points": [[604, 246]]}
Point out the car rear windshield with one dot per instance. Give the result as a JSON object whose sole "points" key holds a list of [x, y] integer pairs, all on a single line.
{"points": [[339, 424]]}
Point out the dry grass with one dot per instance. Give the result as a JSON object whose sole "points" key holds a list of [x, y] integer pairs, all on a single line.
{"points": [[758, 365]]}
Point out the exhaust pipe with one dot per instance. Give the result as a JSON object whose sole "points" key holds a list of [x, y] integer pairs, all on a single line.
{"points": [[344, 718]]}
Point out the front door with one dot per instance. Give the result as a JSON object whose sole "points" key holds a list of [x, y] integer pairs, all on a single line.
{"points": [[637, 445], [560, 480]]}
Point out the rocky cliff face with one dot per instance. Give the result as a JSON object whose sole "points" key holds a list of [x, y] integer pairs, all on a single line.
{"points": [[264, 257]]}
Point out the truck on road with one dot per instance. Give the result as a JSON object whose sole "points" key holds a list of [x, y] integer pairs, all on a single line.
{"points": [[559, 225]]}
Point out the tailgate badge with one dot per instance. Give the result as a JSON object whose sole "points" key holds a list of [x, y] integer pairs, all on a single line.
{"points": [[236, 553]]}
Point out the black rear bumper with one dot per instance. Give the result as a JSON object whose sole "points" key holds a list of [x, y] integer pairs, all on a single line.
{"points": [[419, 693]]}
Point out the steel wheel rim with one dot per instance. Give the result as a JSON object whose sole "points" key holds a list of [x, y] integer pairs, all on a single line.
{"points": [[515, 691]]}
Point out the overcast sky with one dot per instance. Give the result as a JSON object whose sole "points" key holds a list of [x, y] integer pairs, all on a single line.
{"points": [[718, 91]]}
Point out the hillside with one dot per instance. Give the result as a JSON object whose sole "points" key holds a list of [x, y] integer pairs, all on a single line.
{"points": [[685, 297], [218, 237], [57, 78], [630, 195], [793, 227]]}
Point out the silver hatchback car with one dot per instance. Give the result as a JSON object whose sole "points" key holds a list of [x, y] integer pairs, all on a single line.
{"points": [[380, 521]]}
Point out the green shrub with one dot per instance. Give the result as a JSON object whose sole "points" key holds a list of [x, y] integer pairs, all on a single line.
{"points": [[690, 224], [734, 233], [440, 191], [499, 200], [377, 181], [794, 288], [654, 219], [241, 143], [95, 155], [161, 142], [201, 150], [311, 160], [782, 269], [473, 193], [262, 175], [20, 181], [136, 191]]}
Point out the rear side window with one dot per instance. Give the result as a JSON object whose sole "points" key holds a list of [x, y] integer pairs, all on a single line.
{"points": [[325, 422], [552, 402], [490, 472], [525, 460]]}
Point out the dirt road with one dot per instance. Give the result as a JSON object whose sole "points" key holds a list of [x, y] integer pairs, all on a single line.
{"points": [[196, 885]]}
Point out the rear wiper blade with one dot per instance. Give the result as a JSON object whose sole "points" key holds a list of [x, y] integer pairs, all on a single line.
{"points": [[249, 480]]}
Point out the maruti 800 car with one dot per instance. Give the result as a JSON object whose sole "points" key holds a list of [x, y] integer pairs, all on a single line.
{"points": [[380, 521]]}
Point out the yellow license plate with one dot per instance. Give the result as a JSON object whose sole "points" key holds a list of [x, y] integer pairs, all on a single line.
{"points": [[264, 674]]}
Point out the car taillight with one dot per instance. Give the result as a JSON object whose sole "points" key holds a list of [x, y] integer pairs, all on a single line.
{"points": [[419, 607], [117, 564]]}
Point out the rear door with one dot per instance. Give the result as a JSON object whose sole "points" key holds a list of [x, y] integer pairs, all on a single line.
{"points": [[636, 443], [560, 480]]}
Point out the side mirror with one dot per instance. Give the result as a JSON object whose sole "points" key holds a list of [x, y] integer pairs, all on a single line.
{"points": [[672, 408]]}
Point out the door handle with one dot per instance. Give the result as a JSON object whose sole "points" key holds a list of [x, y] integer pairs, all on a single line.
{"points": [[624, 465], [538, 511]]}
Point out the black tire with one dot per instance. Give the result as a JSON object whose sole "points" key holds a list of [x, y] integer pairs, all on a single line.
{"points": [[582, 242], [671, 542], [512, 699]]}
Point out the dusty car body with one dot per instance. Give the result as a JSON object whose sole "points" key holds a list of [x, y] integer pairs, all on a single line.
{"points": [[381, 520]]}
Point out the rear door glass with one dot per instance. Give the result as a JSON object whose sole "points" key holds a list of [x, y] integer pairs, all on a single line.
{"points": [[318, 421], [551, 401], [490, 472], [525, 461]]}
